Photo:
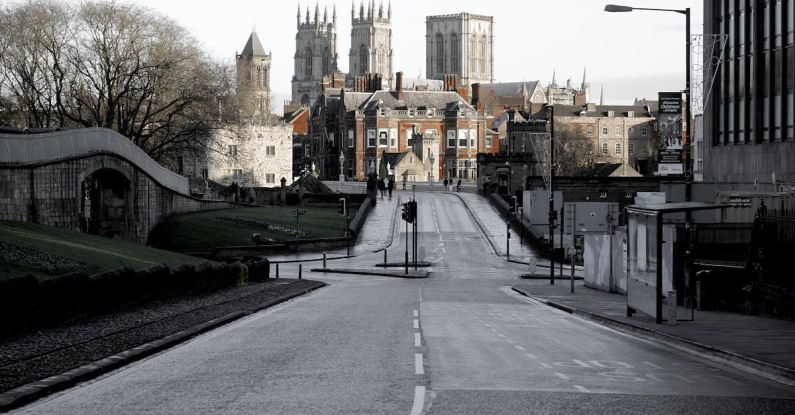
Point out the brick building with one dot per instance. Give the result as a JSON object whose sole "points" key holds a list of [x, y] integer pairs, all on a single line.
{"points": [[367, 122]]}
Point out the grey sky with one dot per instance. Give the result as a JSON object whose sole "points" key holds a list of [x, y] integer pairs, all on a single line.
{"points": [[632, 54]]}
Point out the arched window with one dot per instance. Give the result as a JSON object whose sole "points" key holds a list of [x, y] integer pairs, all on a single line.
{"points": [[473, 54], [483, 55], [305, 101], [439, 53], [363, 59], [265, 77], [326, 61], [308, 62], [259, 76], [455, 54], [604, 148], [380, 59], [618, 149]]}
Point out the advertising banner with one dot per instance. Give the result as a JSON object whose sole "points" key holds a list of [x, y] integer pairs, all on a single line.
{"points": [[669, 122]]}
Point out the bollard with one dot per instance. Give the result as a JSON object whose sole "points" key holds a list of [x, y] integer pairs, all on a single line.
{"points": [[406, 262], [572, 273], [300, 269], [532, 262], [421, 255], [385, 257], [324, 260], [277, 270], [672, 307]]}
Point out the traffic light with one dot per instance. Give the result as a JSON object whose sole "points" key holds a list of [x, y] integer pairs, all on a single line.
{"points": [[342, 208], [404, 212], [412, 211]]}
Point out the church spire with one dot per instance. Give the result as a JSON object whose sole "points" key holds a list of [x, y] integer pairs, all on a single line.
{"points": [[298, 15], [361, 10], [389, 11], [553, 78], [325, 14], [583, 77], [334, 15], [307, 15], [317, 12], [381, 10], [602, 95]]}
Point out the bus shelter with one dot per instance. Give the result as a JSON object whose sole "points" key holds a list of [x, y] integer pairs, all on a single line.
{"points": [[645, 256]]}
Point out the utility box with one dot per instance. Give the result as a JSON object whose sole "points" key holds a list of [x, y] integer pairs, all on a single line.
{"points": [[535, 209], [590, 217]]}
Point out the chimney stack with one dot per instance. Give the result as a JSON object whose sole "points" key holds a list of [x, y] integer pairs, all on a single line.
{"points": [[399, 86]]}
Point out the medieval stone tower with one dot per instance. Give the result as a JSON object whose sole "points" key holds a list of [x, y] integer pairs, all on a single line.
{"points": [[461, 44], [315, 53], [371, 42], [253, 80]]}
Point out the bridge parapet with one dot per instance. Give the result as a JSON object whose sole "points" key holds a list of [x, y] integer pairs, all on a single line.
{"points": [[34, 149]]}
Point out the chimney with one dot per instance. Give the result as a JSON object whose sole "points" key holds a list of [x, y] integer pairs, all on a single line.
{"points": [[399, 86], [450, 82]]}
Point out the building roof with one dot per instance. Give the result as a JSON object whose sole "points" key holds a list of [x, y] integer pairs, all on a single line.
{"points": [[420, 84], [414, 99], [507, 89], [253, 46], [611, 170], [601, 111]]}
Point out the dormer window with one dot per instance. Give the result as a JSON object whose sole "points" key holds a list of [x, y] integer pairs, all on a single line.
{"points": [[412, 112], [429, 112], [382, 112], [630, 114], [611, 114]]}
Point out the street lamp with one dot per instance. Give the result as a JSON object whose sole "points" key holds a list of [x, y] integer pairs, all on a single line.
{"points": [[342, 163], [686, 113], [431, 159]]}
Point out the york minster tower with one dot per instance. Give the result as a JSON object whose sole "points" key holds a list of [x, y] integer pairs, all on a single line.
{"points": [[461, 44], [315, 53], [371, 41]]}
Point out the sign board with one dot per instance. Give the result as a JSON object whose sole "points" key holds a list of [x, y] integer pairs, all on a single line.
{"points": [[739, 201], [669, 125]]}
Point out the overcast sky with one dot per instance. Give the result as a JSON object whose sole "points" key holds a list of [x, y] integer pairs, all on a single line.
{"points": [[631, 54]]}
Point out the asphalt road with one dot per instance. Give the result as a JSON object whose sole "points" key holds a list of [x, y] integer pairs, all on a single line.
{"points": [[459, 342]]}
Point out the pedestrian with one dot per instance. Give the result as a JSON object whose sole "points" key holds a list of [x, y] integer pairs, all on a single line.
{"points": [[404, 182], [458, 186], [382, 187], [445, 184], [390, 185]]}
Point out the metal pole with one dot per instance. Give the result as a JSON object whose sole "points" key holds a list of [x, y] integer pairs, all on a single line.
{"points": [[659, 290], [324, 260], [552, 197], [508, 241], [347, 228], [300, 270], [563, 254], [406, 261], [416, 239], [277, 270], [384, 257], [573, 256]]}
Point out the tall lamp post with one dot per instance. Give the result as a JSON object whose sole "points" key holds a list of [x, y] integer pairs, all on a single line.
{"points": [[686, 113]]}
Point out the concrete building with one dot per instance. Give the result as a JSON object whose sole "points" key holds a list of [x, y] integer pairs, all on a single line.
{"points": [[371, 42], [315, 54], [365, 123], [253, 81], [748, 121], [460, 44]]}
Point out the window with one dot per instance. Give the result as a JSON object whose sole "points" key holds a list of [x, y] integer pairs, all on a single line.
{"points": [[455, 46], [232, 150], [603, 194], [370, 138], [308, 62], [473, 139], [180, 165], [618, 149], [270, 150], [440, 54], [326, 61], [488, 141], [408, 137], [630, 131], [631, 148], [270, 178], [604, 148], [383, 138], [393, 138], [307, 150], [644, 131], [237, 173], [589, 131], [483, 54], [618, 131], [604, 131], [463, 138], [430, 132], [450, 138], [629, 195], [363, 59], [350, 137], [205, 173]]}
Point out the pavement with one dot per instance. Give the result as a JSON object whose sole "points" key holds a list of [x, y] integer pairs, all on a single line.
{"points": [[759, 345]]}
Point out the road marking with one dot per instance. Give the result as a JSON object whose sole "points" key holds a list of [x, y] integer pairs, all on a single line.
{"points": [[580, 362], [546, 366], [562, 376], [530, 355], [582, 389], [520, 348], [419, 400], [501, 335], [418, 370], [417, 341], [416, 324], [416, 313]]}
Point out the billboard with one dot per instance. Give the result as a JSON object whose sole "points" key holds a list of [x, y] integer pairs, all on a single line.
{"points": [[669, 122]]}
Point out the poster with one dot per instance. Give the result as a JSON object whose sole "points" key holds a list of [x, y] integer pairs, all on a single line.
{"points": [[669, 123]]}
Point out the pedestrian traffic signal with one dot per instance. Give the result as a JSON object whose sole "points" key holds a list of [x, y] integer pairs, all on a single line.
{"points": [[404, 211], [412, 211], [342, 209]]}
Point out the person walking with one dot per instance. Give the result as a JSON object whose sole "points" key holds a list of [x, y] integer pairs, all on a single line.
{"points": [[390, 185], [445, 184], [382, 187], [458, 186]]}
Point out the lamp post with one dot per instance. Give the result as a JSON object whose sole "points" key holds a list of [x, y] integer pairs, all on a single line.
{"points": [[686, 113], [342, 164], [431, 159]]}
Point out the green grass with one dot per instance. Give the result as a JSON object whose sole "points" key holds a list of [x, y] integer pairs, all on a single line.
{"points": [[202, 231], [74, 251]]}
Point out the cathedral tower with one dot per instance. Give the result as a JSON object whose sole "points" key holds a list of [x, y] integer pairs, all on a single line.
{"points": [[253, 80], [371, 41], [461, 44], [315, 53]]}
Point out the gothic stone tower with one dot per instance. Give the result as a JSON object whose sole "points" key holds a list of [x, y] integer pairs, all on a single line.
{"points": [[371, 42], [315, 54], [253, 80], [461, 44]]}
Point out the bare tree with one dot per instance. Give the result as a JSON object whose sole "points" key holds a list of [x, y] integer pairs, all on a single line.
{"points": [[573, 153]]}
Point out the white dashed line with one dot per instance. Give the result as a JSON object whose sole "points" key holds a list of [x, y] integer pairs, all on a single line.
{"points": [[419, 400], [417, 341], [580, 362], [652, 365], [416, 313], [416, 324], [562, 376], [501, 335], [545, 365], [418, 370], [530, 355], [582, 389], [520, 348]]}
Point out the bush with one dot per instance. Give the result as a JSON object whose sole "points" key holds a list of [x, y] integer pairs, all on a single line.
{"points": [[258, 269], [17, 296]]}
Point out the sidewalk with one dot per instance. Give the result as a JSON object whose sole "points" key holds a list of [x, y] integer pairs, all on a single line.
{"points": [[763, 346]]}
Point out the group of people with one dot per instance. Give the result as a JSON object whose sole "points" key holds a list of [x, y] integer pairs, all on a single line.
{"points": [[386, 186], [450, 184]]}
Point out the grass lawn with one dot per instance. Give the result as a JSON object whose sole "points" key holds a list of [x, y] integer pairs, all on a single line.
{"points": [[201, 231], [47, 251]]}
